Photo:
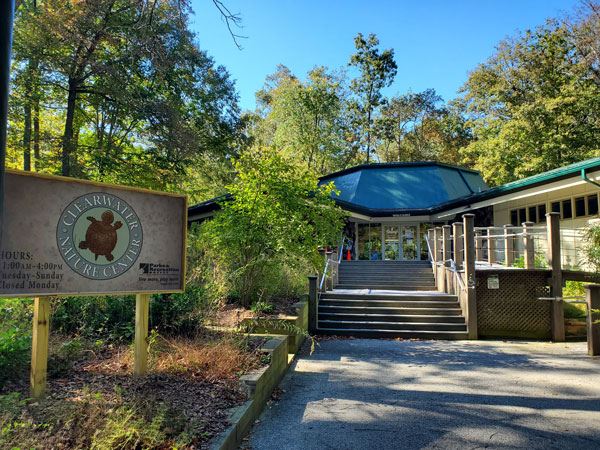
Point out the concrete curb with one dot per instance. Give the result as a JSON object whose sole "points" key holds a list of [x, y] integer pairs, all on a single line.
{"points": [[259, 384], [278, 326]]}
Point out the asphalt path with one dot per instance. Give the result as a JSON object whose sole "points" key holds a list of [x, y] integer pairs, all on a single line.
{"points": [[385, 394]]}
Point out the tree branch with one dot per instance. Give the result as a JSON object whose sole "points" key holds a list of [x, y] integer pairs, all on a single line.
{"points": [[231, 19]]}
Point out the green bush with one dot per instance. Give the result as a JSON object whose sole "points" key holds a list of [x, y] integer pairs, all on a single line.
{"points": [[90, 317], [592, 247], [113, 318], [277, 218], [15, 337], [539, 262]]}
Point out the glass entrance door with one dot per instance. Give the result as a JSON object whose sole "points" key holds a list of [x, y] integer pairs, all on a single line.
{"points": [[400, 243], [409, 242], [391, 242]]}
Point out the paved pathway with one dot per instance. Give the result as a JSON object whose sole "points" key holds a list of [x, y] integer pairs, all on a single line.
{"points": [[379, 394]]}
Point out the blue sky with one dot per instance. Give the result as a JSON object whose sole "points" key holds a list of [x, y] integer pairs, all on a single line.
{"points": [[436, 42]]}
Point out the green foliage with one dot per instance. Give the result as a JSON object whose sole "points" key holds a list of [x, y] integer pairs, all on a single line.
{"points": [[15, 337], [592, 247], [278, 217], [262, 307], [113, 318], [539, 262], [376, 71], [533, 106], [305, 119], [418, 127], [125, 429], [120, 93]]}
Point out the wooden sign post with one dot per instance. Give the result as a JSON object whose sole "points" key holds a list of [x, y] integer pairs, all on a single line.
{"points": [[142, 310], [39, 346]]}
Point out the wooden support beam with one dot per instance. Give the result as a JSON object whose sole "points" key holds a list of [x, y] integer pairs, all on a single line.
{"points": [[555, 263], [142, 311], [39, 346], [457, 243], [508, 246], [592, 297], [529, 250], [469, 246], [491, 249]]}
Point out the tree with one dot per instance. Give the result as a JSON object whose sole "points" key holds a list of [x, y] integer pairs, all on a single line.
{"points": [[277, 217], [376, 71], [139, 102], [304, 119], [533, 106]]}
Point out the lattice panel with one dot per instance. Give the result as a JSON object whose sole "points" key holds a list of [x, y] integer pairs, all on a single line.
{"points": [[514, 310]]}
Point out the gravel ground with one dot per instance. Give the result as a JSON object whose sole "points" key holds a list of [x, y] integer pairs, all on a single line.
{"points": [[383, 394]]}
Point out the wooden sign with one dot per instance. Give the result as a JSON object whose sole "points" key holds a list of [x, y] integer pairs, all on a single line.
{"points": [[64, 237]]}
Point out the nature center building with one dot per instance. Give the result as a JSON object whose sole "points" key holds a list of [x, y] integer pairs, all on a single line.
{"points": [[391, 205]]}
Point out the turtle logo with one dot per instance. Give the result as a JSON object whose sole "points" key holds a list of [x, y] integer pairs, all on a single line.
{"points": [[99, 236]]}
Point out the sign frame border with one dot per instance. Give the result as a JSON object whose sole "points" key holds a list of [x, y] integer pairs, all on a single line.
{"points": [[125, 188]]}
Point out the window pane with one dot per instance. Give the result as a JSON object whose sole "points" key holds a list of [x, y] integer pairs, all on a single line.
{"points": [[514, 219], [542, 212], [580, 207], [522, 216], [556, 207], [533, 214], [566, 207], [592, 205]]}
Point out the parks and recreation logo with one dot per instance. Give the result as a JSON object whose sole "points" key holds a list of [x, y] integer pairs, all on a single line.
{"points": [[99, 236]]}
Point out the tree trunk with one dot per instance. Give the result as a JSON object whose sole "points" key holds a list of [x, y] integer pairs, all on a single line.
{"points": [[27, 135], [36, 131], [368, 135], [67, 141]]}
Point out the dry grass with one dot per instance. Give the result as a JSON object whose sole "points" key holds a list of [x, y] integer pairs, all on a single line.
{"points": [[210, 361], [202, 358], [182, 403]]}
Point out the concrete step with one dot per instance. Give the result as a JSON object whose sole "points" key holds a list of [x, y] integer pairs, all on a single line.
{"points": [[389, 263], [385, 333], [427, 274], [435, 310], [375, 304], [394, 318], [389, 295], [356, 279], [387, 286], [401, 326]]}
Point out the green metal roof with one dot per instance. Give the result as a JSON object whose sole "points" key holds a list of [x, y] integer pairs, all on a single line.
{"points": [[539, 179]]}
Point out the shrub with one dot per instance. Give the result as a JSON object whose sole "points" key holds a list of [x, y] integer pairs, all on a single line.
{"points": [[277, 217], [15, 337], [591, 239], [113, 318]]}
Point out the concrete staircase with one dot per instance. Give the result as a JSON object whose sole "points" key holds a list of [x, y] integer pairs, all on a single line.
{"points": [[389, 299]]}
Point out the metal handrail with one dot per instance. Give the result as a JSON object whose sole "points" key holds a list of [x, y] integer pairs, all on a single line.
{"points": [[429, 251], [341, 248], [458, 274], [325, 270]]}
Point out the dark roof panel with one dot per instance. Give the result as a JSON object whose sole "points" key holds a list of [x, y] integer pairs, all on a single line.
{"points": [[404, 186]]}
